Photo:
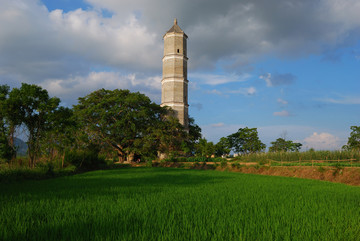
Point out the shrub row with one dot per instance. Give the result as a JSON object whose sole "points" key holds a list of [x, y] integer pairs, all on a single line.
{"points": [[302, 156]]}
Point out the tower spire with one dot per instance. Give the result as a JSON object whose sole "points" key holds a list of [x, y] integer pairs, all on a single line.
{"points": [[175, 21]]}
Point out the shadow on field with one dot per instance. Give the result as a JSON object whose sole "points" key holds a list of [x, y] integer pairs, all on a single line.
{"points": [[110, 182]]}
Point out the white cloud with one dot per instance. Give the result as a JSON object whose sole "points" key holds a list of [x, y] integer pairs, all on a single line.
{"points": [[108, 40], [344, 100], [282, 113], [277, 79], [214, 92], [281, 101], [244, 91], [216, 79], [217, 124], [267, 78], [36, 44], [72, 88], [40, 46], [322, 141]]}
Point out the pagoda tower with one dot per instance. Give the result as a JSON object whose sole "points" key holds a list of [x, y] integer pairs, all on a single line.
{"points": [[174, 83]]}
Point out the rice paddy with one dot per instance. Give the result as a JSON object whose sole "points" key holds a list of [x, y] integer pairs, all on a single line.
{"points": [[178, 204]]}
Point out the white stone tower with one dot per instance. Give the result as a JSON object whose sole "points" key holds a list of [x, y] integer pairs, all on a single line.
{"points": [[174, 84]]}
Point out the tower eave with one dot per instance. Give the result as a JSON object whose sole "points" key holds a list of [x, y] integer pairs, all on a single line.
{"points": [[184, 34]]}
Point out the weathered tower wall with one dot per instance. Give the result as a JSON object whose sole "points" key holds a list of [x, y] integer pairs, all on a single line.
{"points": [[174, 80]]}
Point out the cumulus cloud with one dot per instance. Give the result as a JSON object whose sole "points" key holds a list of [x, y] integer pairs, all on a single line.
{"points": [[282, 113], [322, 141], [277, 79], [38, 45], [78, 86]]}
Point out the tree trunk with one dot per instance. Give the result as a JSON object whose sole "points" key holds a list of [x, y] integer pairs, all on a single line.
{"points": [[120, 156], [130, 157]]}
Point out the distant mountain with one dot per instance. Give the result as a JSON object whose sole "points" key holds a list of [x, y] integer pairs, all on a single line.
{"points": [[21, 147]]}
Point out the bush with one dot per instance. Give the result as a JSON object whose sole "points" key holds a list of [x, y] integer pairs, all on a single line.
{"points": [[223, 163], [149, 163], [85, 160]]}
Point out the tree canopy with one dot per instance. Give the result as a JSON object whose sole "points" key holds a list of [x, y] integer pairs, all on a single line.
{"points": [[127, 122], [283, 145], [31, 106], [245, 141], [354, 139], [6, 150]]}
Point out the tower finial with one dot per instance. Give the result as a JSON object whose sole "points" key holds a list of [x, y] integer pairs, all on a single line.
{"points": [[175, 21]]}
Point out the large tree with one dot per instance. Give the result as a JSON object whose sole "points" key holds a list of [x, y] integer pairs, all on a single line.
{"points": [[31, 106], [222, 147], [10, 117], [245, 141], [61, 135], [354, 139], [120, 119], [205, 148], [282, 145]]}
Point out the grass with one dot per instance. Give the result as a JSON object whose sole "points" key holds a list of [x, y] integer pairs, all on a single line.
{"points": [[302, 156], [178, 204]]}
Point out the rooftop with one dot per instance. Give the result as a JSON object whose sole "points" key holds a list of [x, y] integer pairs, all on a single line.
{"points": [[176, 29]]}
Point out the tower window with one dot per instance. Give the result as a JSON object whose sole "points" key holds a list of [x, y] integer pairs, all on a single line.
{"points": [[178, 50]]}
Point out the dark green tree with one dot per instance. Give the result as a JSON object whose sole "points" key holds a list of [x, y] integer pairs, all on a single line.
{"points": [[205, 148], [245, 141], [32, 107], [354, 139], [222, 147], [120, 119], [62, 134], [193, 137], [7, 151], [282, 145], [169, 137]]}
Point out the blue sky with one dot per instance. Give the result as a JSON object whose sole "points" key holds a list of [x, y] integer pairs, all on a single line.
{"points": [[289, 68]]}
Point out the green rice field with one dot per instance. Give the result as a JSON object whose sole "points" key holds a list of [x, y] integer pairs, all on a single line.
{"points": [[178, 204]]}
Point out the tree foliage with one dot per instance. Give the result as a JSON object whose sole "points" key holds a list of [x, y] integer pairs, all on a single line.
{"points": [[354, 139], [193, 137], [120, 119], [31, 106], [222, 147], [62, 134], [245, 141], [7, 151], [282, 145], [205, 148]]}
